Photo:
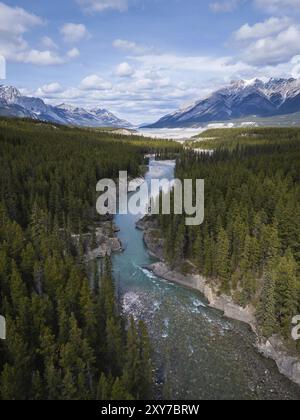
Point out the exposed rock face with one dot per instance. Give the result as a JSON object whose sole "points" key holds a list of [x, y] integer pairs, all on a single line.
{"points": [[106, 242], [152, 238], [109, 246], [240, 99], [273, 348], [13, 104], [288, 365], [195, 281]]}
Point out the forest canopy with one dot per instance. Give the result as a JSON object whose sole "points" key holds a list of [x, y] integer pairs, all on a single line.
{"points": [[66, 336], [250, 241]]}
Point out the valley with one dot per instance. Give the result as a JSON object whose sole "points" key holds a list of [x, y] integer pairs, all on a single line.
{"points": [[196, 352]]}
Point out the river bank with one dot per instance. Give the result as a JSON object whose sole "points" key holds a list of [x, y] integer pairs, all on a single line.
{"points": [[272, 348], [105, 241]]}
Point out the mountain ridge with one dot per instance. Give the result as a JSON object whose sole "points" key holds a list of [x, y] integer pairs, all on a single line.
{"points": [[14, 104], [240, 99]]}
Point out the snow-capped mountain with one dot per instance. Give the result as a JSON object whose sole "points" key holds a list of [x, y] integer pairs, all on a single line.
{"points": [[14, 104], [240, 99]]}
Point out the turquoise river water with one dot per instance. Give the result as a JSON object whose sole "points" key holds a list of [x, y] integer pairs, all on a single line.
{"points": [[198, 353]]}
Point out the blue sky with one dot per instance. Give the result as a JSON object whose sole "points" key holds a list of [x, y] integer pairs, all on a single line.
{"points": [[144, 58]]}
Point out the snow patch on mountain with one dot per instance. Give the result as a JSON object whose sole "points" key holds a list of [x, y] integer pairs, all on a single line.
{"points": [[13, 104], [242, 98]]}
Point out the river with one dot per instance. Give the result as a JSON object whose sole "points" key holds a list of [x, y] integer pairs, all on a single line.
{"points": [[197, 352]]}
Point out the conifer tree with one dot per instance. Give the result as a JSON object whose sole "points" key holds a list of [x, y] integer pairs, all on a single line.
{"points": [[266, 309], [119, 392], [222, 259], [132, 368]]}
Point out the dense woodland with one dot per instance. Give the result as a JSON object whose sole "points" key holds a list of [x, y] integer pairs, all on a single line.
{"points": [[66, 336], [230, 139], [249, 243]]}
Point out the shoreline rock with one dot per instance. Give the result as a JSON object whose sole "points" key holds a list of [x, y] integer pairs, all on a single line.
{"points": [[272, 348], [152, 240], [107, 241], [197, 282]]}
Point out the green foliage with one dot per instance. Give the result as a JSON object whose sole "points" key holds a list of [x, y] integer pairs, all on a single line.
{"points": [[250, 239], [233, 138], [66, 340], [266, 311]]}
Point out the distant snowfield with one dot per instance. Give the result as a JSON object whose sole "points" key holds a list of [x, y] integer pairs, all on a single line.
{"points": [[182, 134], [171, 133]]}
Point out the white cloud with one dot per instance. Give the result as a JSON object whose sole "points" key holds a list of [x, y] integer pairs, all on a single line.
{"points": [[272, 50], [48, 42], [275, 6], [224, 6], [94, 82], [73, 53], [269, 27], [14, 23], [130, 47], [199, 65], [74, 32], [16, 20], [50, 88], [103, 5], [40, 58], [124, 70]]}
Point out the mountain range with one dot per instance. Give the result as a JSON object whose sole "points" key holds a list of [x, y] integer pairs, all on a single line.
{"points": [[240, 99], [14, 104]]}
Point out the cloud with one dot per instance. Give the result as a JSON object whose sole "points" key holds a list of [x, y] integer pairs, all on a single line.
{"points": [[213, 66], [74, 32], [94, 82], [124, 70], [269, 27], [15, 22], [73, 53], [224, 6], [103, 5], [275, 6], [41, 58], [48, 42], [130, 47], [50, 88], [274, 49]]}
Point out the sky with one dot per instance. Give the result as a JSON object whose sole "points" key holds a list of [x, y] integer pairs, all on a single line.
{"points": [[142, 59]]}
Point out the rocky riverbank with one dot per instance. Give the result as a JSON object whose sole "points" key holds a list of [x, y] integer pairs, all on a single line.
{"points": [[106, 241], [273, 348]]}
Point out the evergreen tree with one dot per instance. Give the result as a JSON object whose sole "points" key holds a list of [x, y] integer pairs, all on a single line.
{"points": [[222, 259], [132, 368], [119, 392], [266, 309], [287, 291]]}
